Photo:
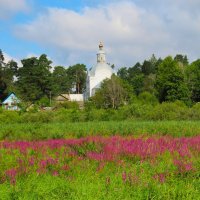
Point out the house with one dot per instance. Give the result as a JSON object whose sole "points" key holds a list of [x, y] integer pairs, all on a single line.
{"points": [[9, 101], [62, 98]]}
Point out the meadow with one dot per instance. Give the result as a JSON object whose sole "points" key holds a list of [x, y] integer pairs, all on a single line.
{"points": [[100, 160], [96, 167], [57, 130]]}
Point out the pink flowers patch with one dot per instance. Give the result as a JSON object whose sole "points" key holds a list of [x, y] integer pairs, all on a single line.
{"points": [[58, 157]]}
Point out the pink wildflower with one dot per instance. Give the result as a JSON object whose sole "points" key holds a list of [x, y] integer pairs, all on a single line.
{"points": [[124, 176]]}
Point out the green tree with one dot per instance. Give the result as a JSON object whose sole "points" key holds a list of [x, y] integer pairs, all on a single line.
{"points": [[77, 77], [1, 57], [147, 67], [148, 84], [136, 78], [60, 81], [123, 73], [2, 65], [114, 92], [193, 80], [9, 72], [34, 78], [181, 59], [170, 82]]}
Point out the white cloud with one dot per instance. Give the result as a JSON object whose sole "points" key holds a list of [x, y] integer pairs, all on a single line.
{"points": [[131, 32], [8, 58], [9, 7]]}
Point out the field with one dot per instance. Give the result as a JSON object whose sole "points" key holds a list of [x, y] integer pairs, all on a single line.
{"points": [[100, 160]]}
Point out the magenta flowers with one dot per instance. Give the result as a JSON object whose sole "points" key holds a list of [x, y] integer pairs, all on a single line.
{"points": [[58, 157]]}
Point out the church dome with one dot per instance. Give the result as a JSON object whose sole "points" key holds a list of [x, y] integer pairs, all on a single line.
{"points": [[101, 68]]}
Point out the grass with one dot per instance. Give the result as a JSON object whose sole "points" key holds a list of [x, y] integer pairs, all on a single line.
{"points": [[38, 131], [86, 179], [129, 174], [92, 187]]}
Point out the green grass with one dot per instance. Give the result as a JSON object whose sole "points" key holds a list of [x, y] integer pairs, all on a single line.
{"points": [[93, 186], [38, 131], [83, 181]]}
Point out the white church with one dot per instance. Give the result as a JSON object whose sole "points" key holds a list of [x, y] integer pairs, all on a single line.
{"points": [[98, 73], [95, 76]]}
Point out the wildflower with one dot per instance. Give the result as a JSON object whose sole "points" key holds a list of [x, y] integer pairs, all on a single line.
{"points": [[55, 173], [124, 176], [11, 173], [65, 167], [160, 177]]}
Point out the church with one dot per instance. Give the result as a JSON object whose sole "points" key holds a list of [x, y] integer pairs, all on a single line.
{"points": [[95, 77], [97, 73]]}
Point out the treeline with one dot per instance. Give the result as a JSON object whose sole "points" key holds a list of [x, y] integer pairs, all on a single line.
{"points": [[169, 79], [37, 80], [161, 80]]}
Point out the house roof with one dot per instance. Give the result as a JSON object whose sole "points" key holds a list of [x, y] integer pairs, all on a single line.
{"points": [[5, 96], [62, 97]]}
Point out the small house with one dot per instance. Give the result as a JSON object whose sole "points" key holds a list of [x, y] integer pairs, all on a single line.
{"points": [[9, 102], [62, 98]]}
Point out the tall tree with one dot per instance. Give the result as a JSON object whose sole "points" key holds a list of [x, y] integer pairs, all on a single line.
{"points": [[193, 80], [113, 93], [147, 67], [170, 82], [123, 73], [2, 83], [9, 74], [148, 84], [181, 59], [136, 78], [34, 78], [1, 57], [77, 77], [60, 81]]}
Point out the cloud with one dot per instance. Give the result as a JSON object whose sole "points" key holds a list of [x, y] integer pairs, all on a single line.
{"points": [[131, 31], [10, 7], [8, 58]]}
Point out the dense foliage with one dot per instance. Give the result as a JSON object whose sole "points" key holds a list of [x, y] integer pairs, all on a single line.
{"points": [[168, 79]]}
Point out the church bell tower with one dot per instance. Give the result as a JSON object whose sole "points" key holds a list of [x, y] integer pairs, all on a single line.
{"points": [[101, 55]]}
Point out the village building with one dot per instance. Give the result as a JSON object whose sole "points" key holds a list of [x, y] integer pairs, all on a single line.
{"points": [[62, 98], [9, 102], [98, 73]]}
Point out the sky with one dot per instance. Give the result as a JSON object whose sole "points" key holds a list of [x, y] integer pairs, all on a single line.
{"points": [[69, 31]]}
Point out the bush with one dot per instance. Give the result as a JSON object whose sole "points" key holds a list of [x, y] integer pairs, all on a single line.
{"points": [[194, 112], [9, 116], [136, 111], [68, 105], [169, 111], [148, 98], [42, 116]]}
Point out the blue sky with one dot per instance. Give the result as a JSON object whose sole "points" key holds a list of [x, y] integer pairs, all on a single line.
{"points": [[69, 31]]}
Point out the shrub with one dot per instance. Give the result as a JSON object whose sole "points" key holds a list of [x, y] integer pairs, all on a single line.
{"points": [[148, 98], [9, 116], [194, 112], [169, 111]]}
